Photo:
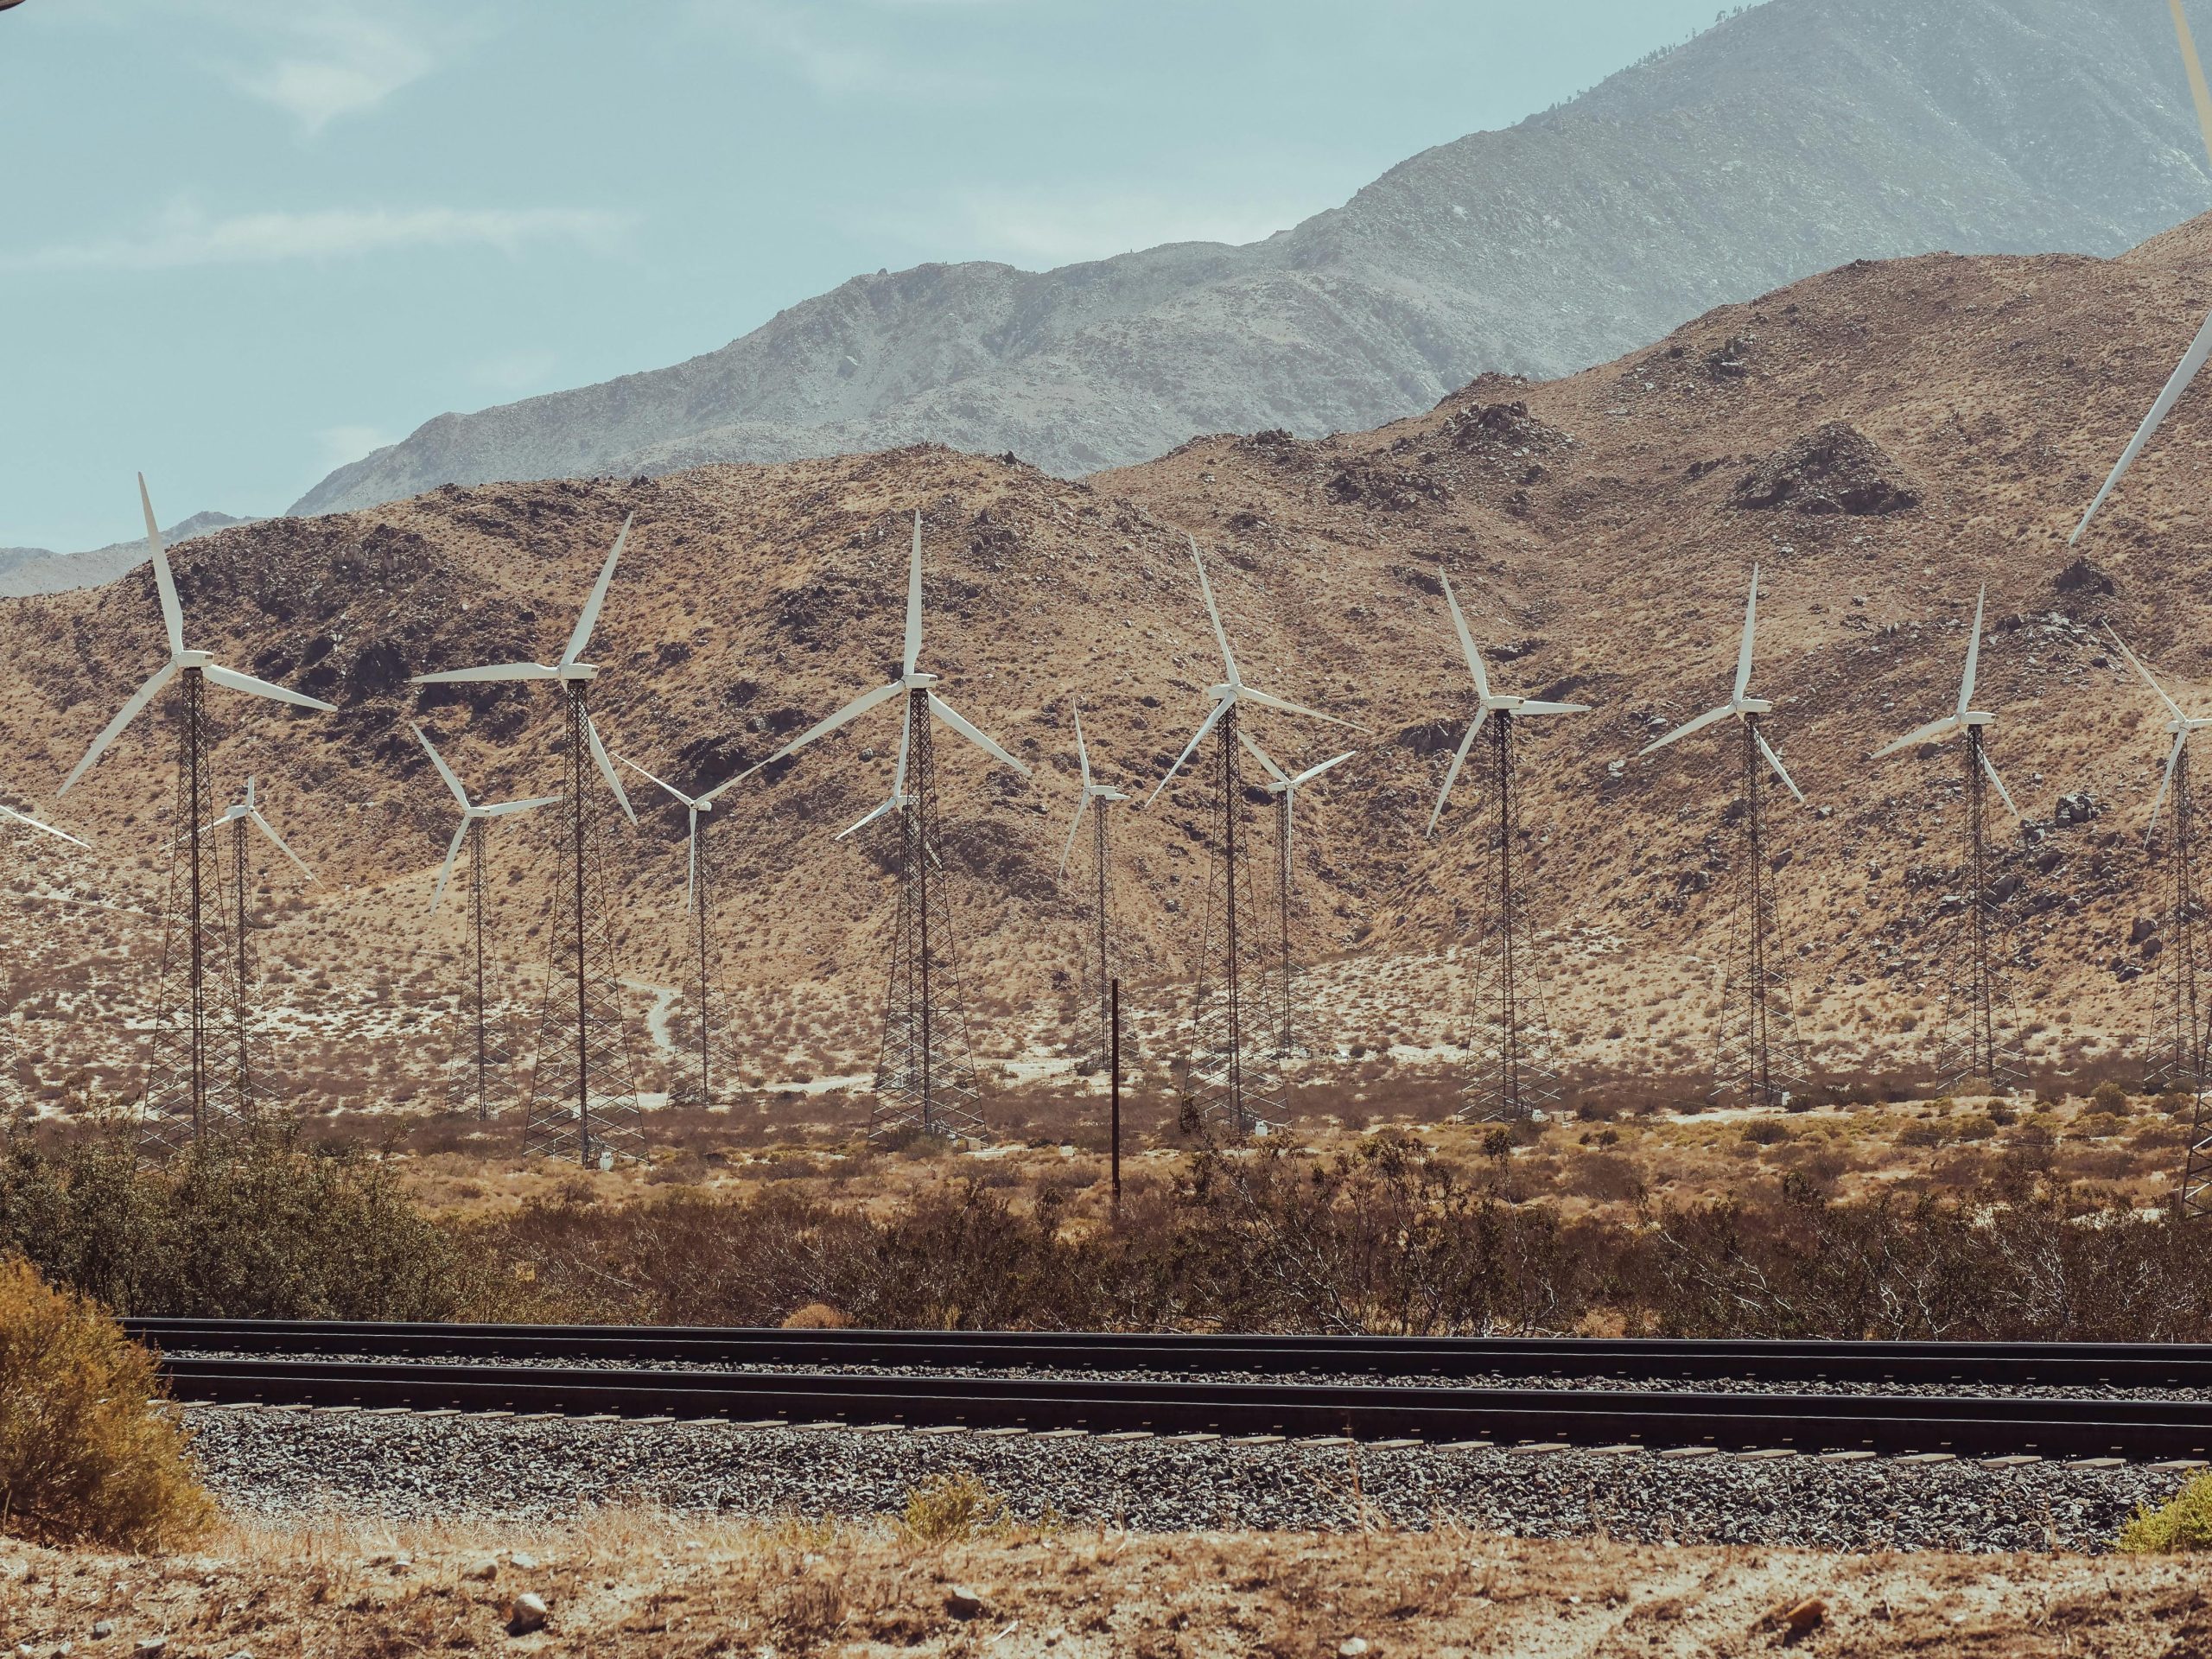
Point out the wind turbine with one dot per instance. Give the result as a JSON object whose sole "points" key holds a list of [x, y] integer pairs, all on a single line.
{"points": [[2200, 348], [1752, 972], [1984, 1054], [185, 1103], [1522, 1081], [2181, 1067], [925, 1075], [1102, 798], [1285, 787], [473, 818], [584, 1094], [698, 905], [1229, 1085], [235, 817]]}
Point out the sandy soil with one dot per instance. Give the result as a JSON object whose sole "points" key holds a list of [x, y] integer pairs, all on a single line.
{"points": [[629, 1583]]}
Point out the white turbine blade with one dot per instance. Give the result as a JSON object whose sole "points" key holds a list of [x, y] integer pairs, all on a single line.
{"points": [[589, 620], [1743, 651], [1466, 639], [26, 818], [1451, 776], [249, 792], [890, 803], [1311, 773], [279, 841], [2198, 91], [164, 583], [144, 695], [1261, 755], [2173, 759], [2177, 382], [438, 761], [1686, 729], [233, 680], [1532, 707], [495, 671], [857, 707], [650, 778], [1220, 634], [1082, 805], [1928, 734], [1775, 761], [1082, 754], [606, 768], [445, 870], [913, 643], [1974, 654], [692, 864], [2004, 794], [2137, 664], [1268, 700], [506, 809], [945, 712], [1190, 748]]}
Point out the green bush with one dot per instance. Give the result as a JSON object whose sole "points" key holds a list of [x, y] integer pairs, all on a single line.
{"points": [[2183, 1525], [270, 1231], [83, 1459]]}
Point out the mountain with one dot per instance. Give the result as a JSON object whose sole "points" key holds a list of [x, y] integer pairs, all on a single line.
{"points": [[1788, 139], [27, 570], [1881, 440]]}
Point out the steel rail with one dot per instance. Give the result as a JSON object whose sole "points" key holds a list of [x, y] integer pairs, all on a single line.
{"points": [[2110, 1365], [1809, 1422]]}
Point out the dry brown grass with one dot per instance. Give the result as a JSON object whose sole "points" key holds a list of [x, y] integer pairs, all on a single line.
{"points": [[626, 1584]]}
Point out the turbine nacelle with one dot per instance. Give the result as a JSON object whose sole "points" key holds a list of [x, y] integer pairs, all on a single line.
{"points": [[1746, 706], [918, 681], [1977, 717]]}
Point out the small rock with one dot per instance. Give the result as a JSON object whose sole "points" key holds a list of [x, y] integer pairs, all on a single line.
{"points": [[482, 1571], [103, 1629], [525, 1563], [1801, 1620], [529, 1614], [1351, 1646], [151, 1647], [963, 1602]]}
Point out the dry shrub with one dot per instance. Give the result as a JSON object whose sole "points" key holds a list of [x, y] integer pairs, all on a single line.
{"points": [[951, 1510], [82, 1457], [2182, 1525]]}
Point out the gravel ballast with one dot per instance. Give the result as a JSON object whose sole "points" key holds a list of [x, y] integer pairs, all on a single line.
{"points": [[278, 1464]]}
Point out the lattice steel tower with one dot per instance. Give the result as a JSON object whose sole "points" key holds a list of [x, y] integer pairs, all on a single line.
{"points": [[192, 1096], [1285, 787], [693, 1083], [2176, 1063], [1756, 1059], [1977, 1043], [1516, 1069], [1232, 1086], [583, 1096], [926, 1070]]}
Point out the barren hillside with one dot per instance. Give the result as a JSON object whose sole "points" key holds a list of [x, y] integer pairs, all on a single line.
{"points": [[1880, 439]]}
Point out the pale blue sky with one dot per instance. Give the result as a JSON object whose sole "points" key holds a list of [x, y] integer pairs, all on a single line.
{"points": [[244, 240]]}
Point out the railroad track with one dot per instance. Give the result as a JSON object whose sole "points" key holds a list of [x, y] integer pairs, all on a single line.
{"points": [[510, 1368]]}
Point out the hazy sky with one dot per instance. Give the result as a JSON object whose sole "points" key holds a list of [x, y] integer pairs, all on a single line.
{"points": [[242, 241]]}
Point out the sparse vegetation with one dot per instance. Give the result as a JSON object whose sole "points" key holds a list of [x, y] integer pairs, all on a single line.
{"points": [[83, 1459], [2182, 1525], [951, 1510]]}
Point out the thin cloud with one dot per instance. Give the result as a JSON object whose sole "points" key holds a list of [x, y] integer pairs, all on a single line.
{"points": [[826, 49], [185, 236], [337, 60]]}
